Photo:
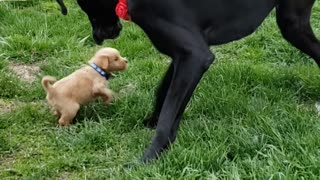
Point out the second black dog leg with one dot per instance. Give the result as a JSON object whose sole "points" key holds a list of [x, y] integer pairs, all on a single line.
{"points": [[293, 18], [151, 121]]}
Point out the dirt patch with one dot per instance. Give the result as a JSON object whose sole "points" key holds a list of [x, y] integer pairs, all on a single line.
{"points": [[7, 161], [6, 168], [25, 72], [317, 105], [128, 88], [63, 176], [6, 107]]}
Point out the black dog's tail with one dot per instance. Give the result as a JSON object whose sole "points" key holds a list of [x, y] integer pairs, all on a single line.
{"points": [[64, 9]]}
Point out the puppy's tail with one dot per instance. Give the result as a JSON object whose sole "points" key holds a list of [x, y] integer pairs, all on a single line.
{"points": [[47, 82]]}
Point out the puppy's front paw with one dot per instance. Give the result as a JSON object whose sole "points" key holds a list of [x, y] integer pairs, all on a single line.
{"points": [[108, 99], [107, 96], [63, 122]]}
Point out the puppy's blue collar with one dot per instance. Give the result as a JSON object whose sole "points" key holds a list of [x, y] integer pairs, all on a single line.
{"points": [[99, 70]]}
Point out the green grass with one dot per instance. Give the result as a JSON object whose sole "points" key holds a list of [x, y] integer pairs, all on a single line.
{"points": [[251, 117]]}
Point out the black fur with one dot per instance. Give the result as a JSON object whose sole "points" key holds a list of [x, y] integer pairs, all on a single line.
{"points": [[104, 22], [184, 30]]}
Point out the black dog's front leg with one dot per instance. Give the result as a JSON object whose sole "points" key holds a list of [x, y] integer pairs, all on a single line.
{"points": [[191, 57], [151, 122], [188, 71]]}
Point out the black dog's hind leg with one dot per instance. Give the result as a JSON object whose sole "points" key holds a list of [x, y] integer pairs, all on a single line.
{"points": [[151, 121], [293, 18]]}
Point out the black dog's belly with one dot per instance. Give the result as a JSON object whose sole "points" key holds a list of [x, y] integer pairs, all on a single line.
{"points": [[224, 21], [233, 30]]}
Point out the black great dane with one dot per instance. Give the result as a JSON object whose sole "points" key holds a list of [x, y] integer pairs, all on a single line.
{"points": [[184, 30]]}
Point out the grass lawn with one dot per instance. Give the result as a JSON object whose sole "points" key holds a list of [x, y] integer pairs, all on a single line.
{"points": [[251, 117]]}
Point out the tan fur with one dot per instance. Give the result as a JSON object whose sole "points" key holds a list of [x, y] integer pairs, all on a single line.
{"points": [[82, 86]]}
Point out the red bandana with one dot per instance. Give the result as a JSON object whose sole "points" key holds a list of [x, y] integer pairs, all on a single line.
{"points": [[122, 10]]}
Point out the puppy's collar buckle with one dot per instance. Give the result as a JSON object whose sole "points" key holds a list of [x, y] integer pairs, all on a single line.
{"points": [[100, 71]]}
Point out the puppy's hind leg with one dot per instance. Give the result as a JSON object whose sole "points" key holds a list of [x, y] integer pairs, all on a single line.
{"points": [[56, 113], [68, 114]]}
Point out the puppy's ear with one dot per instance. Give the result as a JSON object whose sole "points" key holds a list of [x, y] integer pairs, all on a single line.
{"points": [[101, 60], [63, 8], [104, 60]]}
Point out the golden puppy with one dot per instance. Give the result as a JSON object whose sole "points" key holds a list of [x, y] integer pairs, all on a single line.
{"points": [[83, 85]]}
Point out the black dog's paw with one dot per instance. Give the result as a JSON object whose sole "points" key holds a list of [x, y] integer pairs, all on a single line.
{"points": [[150, 122]]}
